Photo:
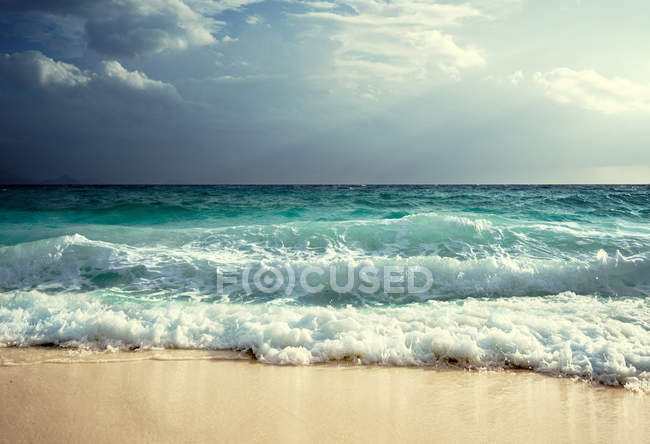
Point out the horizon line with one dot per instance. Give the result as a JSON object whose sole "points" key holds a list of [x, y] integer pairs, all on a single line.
{"points": [[81, 184]]}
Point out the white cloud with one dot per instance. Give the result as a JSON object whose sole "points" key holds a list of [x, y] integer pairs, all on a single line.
{"points": [[33, 68], [113, 70], [254, 20], [590, 90], [134, 27], [321, 5], [397, 41], [215, 7]]}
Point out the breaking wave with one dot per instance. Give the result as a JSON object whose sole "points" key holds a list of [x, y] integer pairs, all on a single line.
{"points": [[552, 279], [566, 334]]}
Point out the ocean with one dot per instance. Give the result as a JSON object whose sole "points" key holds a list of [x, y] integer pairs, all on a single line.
{"points": [[554, 279]]}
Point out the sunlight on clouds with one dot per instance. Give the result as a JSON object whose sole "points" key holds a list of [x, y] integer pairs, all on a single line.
{"points": [[397, 41], [196, 27], [465, 90], [254, 20], [321, 5], [183, 23], [147, 27], [590, 90], [32, 68], [211, 7], [133, 79]]}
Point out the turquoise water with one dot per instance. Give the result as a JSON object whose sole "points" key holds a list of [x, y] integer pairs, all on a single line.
{"points": [[551, 278]]}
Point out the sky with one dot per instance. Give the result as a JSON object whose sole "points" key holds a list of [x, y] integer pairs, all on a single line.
{"points": [[326, 91]]}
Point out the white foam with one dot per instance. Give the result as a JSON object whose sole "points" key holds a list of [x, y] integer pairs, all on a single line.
{"points": [[77, 263], [602, 340]]}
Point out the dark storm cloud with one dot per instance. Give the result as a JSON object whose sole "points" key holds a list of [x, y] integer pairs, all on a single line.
{"points": [[131, 27], [56, 117], [113, 124], [129, 35], [285, 92]]}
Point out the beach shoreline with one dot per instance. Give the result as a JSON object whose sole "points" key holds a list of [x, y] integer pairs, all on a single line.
{"points": [[186, 395]]}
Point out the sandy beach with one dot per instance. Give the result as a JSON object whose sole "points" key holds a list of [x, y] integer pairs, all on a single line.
{"points": [[193, 397]]}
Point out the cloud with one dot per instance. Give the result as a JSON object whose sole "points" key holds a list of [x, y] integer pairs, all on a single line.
{"points": [[32, 68], [56, 118], [589, 90], [228, 39], [254, 20], [398, 41], [137, 27], [114, 73], [321, 5]]}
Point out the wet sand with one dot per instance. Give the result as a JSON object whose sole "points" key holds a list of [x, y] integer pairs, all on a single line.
{"points": [[184, 396]]}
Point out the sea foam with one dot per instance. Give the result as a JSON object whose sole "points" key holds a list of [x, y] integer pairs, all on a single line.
{"points": [[607, 341], [74, 262]]}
